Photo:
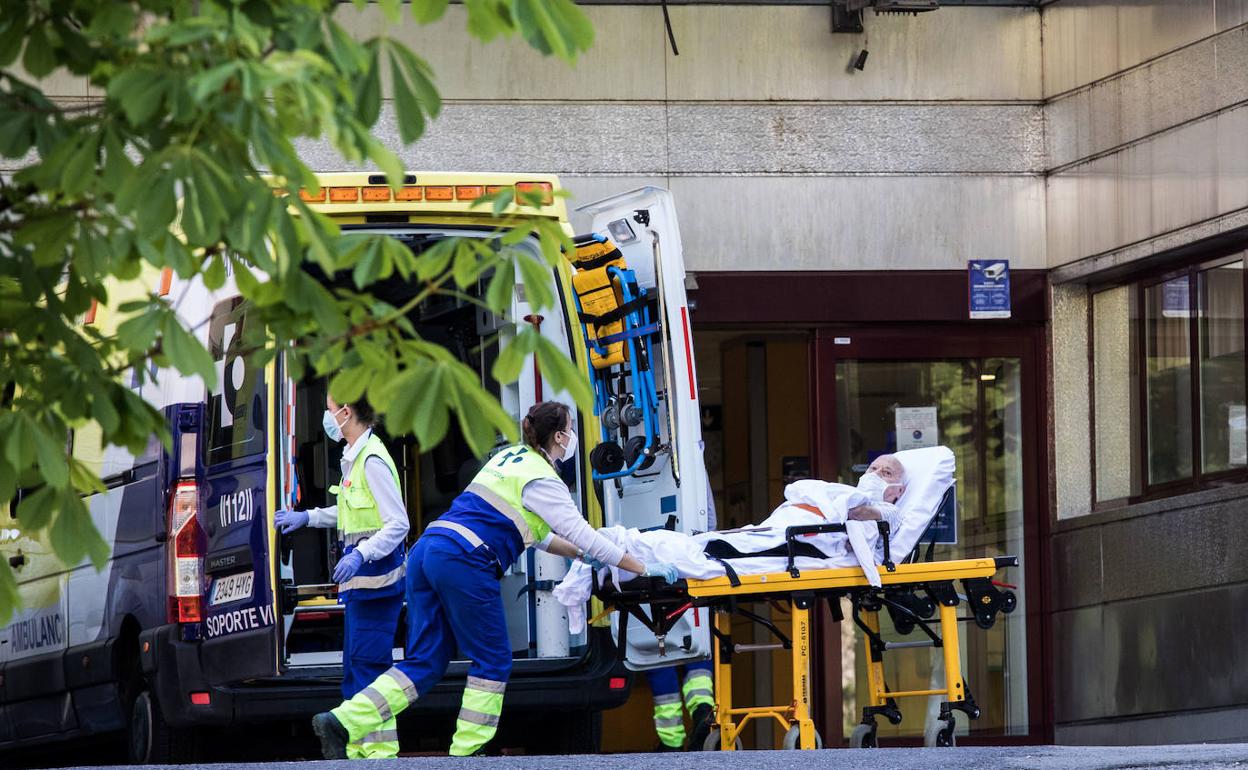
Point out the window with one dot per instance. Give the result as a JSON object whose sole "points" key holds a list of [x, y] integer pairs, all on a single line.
{"points": [[236, 408], [1169, 392]]}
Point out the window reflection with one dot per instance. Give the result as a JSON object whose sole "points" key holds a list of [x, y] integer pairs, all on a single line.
{"points": [[1221, 336], [1168, 395]]}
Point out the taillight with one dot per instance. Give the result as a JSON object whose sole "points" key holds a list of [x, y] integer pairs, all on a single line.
{"points": [[186, 555]]}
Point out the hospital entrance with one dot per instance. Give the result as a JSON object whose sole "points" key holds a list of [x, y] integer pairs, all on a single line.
{"points": [[781, 406]]}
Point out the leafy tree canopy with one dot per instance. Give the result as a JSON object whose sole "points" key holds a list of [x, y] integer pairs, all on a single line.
{"points": [[173, 165]]}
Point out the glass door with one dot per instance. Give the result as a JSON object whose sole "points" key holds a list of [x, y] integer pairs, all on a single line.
{"points": [[980, 401]]}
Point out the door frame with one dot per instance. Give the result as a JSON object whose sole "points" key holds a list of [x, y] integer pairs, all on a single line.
{"points": [[945, 341]]}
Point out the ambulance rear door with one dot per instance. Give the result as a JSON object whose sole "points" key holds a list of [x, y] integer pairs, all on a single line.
{"points": [[671, 490], [240, 623]]}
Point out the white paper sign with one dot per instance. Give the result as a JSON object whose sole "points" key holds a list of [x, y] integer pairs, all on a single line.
{"points": [[916, 427], [1238, 424]]}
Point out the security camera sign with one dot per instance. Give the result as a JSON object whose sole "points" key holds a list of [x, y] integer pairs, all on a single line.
{"points": [[988, 285]]}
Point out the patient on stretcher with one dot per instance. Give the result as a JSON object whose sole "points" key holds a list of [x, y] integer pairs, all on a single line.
{"points": [[806, 502]]}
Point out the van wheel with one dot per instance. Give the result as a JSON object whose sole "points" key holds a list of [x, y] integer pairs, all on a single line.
{"points": [[150, 740]]}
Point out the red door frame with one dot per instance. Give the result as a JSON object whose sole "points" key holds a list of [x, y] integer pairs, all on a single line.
{"points": [[937, 341]]}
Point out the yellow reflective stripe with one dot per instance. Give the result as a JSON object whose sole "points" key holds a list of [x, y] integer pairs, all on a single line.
{"points": [[505, 508]]}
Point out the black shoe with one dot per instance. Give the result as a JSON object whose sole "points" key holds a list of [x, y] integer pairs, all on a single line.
{"points": [[703, 718], [663, 747], [333, 735]]}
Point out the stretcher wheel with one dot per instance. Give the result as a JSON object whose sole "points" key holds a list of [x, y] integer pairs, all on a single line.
{"points": [[712, 741], [863, 737], [634, 447], [794, 736], [607, 457], [940, 734], [1008, 602]]}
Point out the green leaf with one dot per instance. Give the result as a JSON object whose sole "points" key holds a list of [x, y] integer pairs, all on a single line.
{"points": [[36, 509], [368, 93], [140, 92], [40, 58], [79, 171], [537, 280], [214, 273], [10, 599], [11, 38], [84, 479], [348, 385], [74, 536], [563, 374], [138, 332], [407, 110], [185, 352], [502, 284], [513, 355], [51, 456], [19, 443], [427, 11], [207, 83]]}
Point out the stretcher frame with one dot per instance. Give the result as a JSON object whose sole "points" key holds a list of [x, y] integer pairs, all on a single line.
{"points": [[910, 593]]}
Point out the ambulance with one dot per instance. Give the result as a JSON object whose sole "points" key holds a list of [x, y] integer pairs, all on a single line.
{"points": [[205, 616]]}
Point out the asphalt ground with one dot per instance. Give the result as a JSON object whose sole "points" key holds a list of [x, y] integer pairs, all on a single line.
{"points": [[977, 758]]}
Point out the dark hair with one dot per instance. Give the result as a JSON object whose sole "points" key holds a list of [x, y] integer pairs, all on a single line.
{"points": [[543, 421], [363, 410]]}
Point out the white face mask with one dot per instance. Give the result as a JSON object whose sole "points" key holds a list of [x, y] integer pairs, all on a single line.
{"points": [[329, 421], [569, 448], [873, 486]]}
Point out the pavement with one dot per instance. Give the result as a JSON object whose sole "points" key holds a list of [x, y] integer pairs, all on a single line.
{"points": [[1202, 756]]}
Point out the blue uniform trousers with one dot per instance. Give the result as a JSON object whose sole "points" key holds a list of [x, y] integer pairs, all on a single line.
{"points": [[367, 638]]}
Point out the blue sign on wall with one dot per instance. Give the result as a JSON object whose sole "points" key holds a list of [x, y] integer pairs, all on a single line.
{"points": [[944, 527], [988, 288]]}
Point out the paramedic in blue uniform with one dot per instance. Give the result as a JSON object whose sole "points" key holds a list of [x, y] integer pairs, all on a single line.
{"points": [[453, 591], [696, 693], [372, 527]]}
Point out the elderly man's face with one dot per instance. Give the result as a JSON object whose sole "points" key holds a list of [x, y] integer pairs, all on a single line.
{"points": [[888, 468]]}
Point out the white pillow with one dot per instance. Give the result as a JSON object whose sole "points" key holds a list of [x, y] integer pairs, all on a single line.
{"points": [[929, 472]]}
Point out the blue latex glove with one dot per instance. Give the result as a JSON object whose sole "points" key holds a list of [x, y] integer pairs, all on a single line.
{"points": [[288, 521], [591, 561], [662, 569], [348, 566]]}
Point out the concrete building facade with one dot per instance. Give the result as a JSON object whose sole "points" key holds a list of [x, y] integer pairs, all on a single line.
{"points": [[828, 214]]}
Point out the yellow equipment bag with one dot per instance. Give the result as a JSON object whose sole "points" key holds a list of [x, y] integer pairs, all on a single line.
{"points": [[599, 296]]}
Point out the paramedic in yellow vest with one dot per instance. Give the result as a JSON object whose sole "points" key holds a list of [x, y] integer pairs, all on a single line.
{"points": [[372, 527], [453, 592]]}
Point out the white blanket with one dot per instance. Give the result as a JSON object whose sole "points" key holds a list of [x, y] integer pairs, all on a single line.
{"points": [[858, 546]]}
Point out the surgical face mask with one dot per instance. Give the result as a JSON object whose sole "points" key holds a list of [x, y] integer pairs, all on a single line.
{"points": [[873, 486], [569, 448], [329, 421]]}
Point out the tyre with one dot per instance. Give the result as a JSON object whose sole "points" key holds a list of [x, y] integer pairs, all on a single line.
{"points": [[150, 740], [863, 737], [940, 734], [712, 741], [793, 737]]}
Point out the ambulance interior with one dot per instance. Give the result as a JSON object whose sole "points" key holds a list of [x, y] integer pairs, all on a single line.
{"points": [[430, 481]]}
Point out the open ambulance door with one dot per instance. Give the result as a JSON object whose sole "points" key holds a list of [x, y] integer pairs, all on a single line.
{"points": [[647, 461], [235, 486]]}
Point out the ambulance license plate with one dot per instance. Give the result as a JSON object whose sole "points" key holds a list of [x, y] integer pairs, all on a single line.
{"points": [[231, 588]]}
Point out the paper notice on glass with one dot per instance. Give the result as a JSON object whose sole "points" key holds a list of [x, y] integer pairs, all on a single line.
{"points": [[916, 427], [1237, 419]]}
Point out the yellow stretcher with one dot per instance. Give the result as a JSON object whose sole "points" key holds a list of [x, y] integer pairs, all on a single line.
{"points": [[910, 593]]}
